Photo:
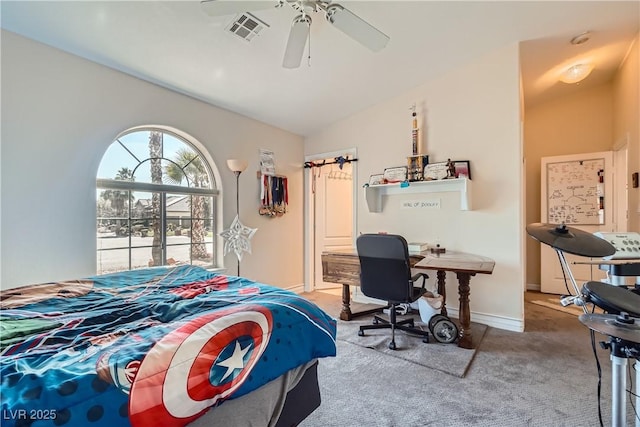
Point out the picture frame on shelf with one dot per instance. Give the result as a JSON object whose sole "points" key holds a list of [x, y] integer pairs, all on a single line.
{"points": [[396, 174], [376, 179], [462, 168], [435, 171]]}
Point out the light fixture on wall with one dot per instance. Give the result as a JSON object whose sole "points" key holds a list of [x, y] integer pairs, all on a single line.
{"points": [[576, 73], [237, 237]]}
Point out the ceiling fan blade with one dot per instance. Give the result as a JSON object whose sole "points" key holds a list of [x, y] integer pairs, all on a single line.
{"points": [[297, 41], [356, 28], [232, 7]]}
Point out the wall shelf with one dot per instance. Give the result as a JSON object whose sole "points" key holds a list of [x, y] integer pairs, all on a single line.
{"points": [[373, 193]]}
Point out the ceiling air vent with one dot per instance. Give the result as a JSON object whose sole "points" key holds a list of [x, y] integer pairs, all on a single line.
{"points": [[246, 26]]}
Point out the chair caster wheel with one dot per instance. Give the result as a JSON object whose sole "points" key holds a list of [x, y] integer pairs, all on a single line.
{"points": [[360, 333], [392, 345]]}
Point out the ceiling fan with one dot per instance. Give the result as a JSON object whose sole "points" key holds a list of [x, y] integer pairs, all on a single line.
{"points": [[337, 15]]}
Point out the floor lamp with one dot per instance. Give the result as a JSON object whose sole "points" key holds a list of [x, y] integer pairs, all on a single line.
{"points": [[237, 166]]}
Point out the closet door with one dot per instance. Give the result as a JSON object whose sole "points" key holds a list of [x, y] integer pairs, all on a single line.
{"points": [[334, 214]]}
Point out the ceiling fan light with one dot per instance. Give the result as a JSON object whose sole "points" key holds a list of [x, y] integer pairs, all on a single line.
{"points": [[356, 28], [297, 41], [576, 73]]}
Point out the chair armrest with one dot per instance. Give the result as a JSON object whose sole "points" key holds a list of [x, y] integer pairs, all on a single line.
{"points": [[417, 276]]}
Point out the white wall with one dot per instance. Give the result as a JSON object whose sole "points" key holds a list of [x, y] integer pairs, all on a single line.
{"points": [[59, 115], [472, 113]]}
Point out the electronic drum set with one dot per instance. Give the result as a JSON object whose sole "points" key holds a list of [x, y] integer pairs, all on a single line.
{"points": [[622, 305]]}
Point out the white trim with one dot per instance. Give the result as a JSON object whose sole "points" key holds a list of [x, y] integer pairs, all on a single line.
{"points": [[308, 208], [495, 321], [500, 322], [621, 185], [298, 289], [533, 287]]}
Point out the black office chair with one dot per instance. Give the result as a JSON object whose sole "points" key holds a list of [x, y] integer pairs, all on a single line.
{"points": [[385, 273]]}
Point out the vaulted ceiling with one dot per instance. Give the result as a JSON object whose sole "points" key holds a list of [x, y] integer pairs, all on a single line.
{"points": [[177, 45]]}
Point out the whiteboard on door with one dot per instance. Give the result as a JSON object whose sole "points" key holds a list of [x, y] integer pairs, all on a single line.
{"points": [[576, 190]]}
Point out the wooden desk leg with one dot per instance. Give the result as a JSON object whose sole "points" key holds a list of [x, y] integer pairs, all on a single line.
{"points": [[442, 290], [345, 314], [464, 334]]}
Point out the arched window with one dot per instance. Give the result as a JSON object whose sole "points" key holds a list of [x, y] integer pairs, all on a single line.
{"points": [[156, 203]]}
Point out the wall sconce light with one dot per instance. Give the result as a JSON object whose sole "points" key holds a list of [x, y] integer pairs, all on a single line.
{"points": [[576, 73]]}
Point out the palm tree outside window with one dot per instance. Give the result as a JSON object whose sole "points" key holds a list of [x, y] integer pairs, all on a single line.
{"points": [[156, 203]]}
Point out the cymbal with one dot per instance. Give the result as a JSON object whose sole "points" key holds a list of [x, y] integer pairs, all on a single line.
{"points": [[609, 324], [571, 240]]}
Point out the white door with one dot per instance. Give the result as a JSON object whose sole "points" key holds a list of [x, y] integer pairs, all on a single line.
{"points": [[571, 194], [333, 213]]}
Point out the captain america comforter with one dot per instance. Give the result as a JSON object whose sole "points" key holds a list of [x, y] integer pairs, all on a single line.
{"points": [[151, 347]]}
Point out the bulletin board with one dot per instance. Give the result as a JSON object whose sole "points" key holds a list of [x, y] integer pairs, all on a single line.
{"points": [[575, 192]]}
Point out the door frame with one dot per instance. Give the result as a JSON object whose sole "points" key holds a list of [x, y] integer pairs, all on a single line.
{"points": [[621, 185], [309, 211]]}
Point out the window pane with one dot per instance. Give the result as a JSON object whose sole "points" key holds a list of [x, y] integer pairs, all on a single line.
{"points": [[178, 250], [110, 261], [207, 259], [141, 258], [115, 158], [137, 144], [145, 219]]}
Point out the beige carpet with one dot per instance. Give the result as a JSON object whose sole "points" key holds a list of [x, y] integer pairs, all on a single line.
{"points": [[544, 376], [447, 358]]}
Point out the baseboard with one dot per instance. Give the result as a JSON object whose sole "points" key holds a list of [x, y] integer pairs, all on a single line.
{"points": [[495, 321], [533, 287], [500, 322], [298, 289]]}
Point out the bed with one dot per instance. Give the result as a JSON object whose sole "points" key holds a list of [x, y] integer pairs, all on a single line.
{"points": [[160, 346]]}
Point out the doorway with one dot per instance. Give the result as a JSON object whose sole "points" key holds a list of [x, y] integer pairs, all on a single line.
{"points": [[576, 189], [330, 208]]}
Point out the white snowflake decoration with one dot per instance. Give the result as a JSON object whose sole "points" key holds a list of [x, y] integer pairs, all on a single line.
{"points": [[237, 238]]}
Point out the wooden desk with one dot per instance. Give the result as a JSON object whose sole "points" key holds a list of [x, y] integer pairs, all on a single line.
{"points": [[344, 267], [464, 265]]}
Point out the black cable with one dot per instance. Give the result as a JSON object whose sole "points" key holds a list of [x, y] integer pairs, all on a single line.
{"points": [[564, 275], [595, 354], [632, 366]]}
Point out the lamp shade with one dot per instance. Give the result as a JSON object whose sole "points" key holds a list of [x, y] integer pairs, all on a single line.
{"points": [[237, 165], [576, 73]]}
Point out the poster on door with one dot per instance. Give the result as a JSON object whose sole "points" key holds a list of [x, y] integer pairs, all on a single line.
{"points": [[575, 192]]}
